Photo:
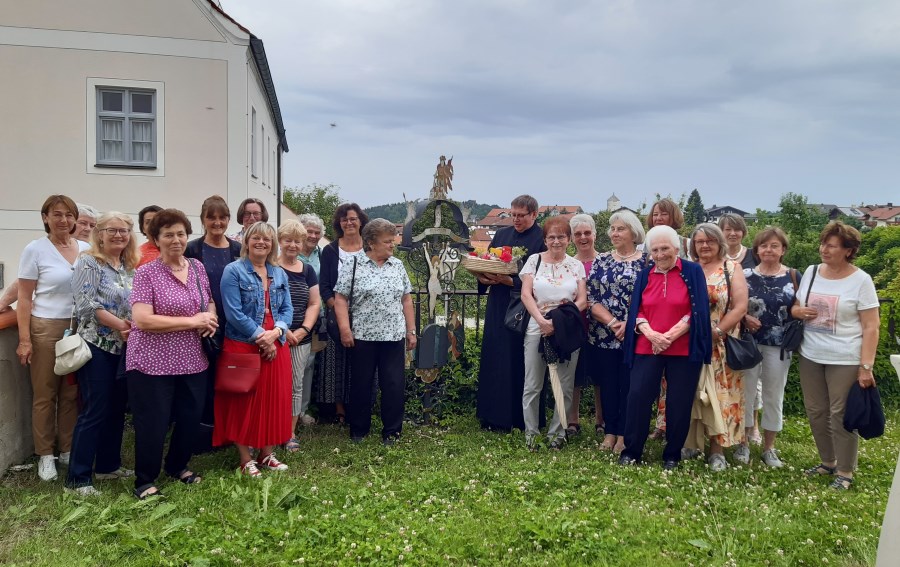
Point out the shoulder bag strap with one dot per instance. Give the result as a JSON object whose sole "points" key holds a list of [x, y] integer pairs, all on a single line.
{"points": [[352, 284], [197, 279], [809, 287], [793, 273], [727, 286]]}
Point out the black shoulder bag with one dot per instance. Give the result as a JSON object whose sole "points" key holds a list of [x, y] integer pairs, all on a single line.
{"points": [[516, 319], [793, 330], [211, 345], [740, 353], [331, 317]]}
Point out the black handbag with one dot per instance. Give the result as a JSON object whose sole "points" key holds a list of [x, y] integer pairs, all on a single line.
{"points": [[331, 324], [741, 353], [517, 317], [211, 345], [793, 331]]}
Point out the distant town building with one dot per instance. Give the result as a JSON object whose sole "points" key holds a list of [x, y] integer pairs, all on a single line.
{"points": [[714, 213], [888, 215], [613, 204]]}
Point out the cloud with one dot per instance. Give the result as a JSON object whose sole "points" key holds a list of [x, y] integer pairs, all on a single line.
{"points": [[576, 100]]}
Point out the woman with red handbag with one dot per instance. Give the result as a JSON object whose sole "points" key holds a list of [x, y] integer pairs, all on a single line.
{"points": [[258, 310]]}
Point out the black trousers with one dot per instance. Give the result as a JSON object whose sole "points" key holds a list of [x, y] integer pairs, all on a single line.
{"points": [[387, 357], [155, 401], [609, 366], [682, 376]]}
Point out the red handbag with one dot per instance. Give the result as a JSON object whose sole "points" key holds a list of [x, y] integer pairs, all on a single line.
{"points": [[237, 373]]}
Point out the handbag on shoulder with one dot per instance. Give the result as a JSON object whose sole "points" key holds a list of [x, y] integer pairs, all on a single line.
{"points": [[793, 331], [237, 372], [741, 353], [517, 317]]}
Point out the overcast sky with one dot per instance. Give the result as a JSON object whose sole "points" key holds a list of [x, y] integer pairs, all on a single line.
{"points": [[572, 101]]}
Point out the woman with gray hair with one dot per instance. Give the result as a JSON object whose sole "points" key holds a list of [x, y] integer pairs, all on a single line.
{"points": [[584, 235], [610, 287], [87, 221], [727, 292], [667, 332], [374, 327], [310, 253]]}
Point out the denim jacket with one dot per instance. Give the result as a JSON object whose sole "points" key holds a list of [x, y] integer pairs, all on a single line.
{"points": [[244, 299]]}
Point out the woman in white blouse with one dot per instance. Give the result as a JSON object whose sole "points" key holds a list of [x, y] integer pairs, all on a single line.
{"points": [[45, 305], [559, 279]]}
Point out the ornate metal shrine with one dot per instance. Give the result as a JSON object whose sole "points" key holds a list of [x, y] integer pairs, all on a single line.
{"points": [[435, 237]]}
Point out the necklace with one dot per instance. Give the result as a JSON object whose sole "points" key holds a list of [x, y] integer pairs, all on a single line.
{"points": [[66, 244], [624, 258], [736, 256], [777, 271], [182, 264]]}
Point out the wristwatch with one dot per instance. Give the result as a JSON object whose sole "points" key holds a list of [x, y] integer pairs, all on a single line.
{"points": [[867, 367]]}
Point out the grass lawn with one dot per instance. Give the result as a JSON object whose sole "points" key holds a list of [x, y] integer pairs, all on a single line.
{"points": [[458, 495]]}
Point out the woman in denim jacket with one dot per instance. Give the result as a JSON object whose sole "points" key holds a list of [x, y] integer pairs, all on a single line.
{"points": [[258, 311]]}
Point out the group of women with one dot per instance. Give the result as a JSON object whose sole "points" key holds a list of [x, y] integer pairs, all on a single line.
{"points": [[156, 318], [641, 322], [658, 309]]}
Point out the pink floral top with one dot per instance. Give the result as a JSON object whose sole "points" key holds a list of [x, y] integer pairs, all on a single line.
{"points": [[176, 352]]}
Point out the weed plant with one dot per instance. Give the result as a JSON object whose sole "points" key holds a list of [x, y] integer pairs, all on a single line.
{"points": [[457, 495]]}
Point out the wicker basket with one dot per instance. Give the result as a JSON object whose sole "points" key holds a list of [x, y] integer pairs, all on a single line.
{"points": [[480, 265]]}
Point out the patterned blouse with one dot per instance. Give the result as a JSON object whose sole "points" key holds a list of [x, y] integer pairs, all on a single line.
{"points": [[173, 352], [377, 298], [100, 286], [611, 284], [770, 301]]}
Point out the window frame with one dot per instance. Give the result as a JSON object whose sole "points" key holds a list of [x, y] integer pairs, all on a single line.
{"points": [[253, 142], [127, 116]]}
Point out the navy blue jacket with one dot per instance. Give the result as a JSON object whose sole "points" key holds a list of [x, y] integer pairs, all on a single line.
{"points": [[700, 346], [194, 249]]}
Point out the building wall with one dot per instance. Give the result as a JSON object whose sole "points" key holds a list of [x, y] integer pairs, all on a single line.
{"points": [[203, 66]]}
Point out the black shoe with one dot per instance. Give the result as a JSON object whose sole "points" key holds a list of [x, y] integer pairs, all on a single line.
{"points": [[357, 439], [389, 441], [670, 465], [627, 461], [557, 444]]}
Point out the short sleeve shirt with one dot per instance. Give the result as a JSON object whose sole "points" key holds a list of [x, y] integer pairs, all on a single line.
{"points": [[53, 294], [554, 282], [770, 301], [378, 292], [611, 284], [173, 352], [835, 335]]}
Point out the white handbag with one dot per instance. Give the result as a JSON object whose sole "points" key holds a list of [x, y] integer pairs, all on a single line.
{"points": [[72, 351]]}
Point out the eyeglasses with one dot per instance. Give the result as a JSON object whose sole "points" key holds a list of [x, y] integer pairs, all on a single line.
{"points": [[554, 237], [249, 215], [115, 231], [518, 216], [703, 242], [349, 220]]}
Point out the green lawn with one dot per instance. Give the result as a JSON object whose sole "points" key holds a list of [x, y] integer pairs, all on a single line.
{"points": [[459, 495]]}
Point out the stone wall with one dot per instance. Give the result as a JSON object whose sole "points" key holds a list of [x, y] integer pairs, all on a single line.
{"points": [[15, 400]]}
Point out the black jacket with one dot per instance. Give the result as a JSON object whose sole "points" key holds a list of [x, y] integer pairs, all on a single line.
{"points": [[863, 412], [194, 249], [568, 330]]}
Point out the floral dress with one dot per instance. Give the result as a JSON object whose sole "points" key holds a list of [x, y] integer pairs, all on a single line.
{"points": [[729, 383]]}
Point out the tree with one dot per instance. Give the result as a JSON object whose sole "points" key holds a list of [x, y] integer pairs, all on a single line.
{"points": [[321, 200], [694, 212]]}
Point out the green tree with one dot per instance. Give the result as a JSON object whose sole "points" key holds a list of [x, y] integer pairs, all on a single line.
{"points": [[694, 212], [321, 200], [602, 242]]}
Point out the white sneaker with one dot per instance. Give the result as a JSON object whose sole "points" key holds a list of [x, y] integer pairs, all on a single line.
{"points": [[742, 454], [717, 462], [47, 467], [85, 491], [120, 472], [64, 458], [770, 458]]}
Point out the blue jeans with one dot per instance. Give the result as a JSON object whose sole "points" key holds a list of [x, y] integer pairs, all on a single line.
{"points": [[97, 439]]}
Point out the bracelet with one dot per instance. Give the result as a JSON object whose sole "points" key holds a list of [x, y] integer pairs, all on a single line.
{"points": [[411, 332], [308, 332], [612, 322], [720, 332]]}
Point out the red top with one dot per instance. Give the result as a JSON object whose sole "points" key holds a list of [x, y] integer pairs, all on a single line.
{"points": [[149, 252], [664, 302]]}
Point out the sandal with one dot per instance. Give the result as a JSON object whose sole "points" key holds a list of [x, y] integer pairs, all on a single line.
{"points": [[189, 477], [340, 419], [598, 428], [820, 470], [293, 445], [608, 443], [841, 482], [573, 429], [149, 492]]}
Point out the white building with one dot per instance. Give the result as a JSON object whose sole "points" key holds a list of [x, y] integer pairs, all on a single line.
{"points": [[121, 104]]}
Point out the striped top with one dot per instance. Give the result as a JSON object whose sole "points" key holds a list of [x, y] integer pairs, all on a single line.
{"points": [[298, 285]]}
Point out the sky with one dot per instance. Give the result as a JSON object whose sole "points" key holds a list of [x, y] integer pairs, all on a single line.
{"points": [[573, 101]]}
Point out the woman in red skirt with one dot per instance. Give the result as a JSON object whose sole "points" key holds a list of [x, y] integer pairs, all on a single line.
{"points": [[258, 308]]}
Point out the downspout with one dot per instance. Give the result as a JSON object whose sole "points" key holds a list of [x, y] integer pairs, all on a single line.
{"points": [[278, 154]]}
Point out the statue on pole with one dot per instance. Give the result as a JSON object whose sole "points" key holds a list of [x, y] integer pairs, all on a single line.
{"points": [[443, 179]]}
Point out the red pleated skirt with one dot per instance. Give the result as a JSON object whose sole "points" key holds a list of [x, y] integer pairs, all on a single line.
{"points": [[262, 417]]}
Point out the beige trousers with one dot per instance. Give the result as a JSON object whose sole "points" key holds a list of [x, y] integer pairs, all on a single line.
{"points": [[54, 408], [825, 388]]}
